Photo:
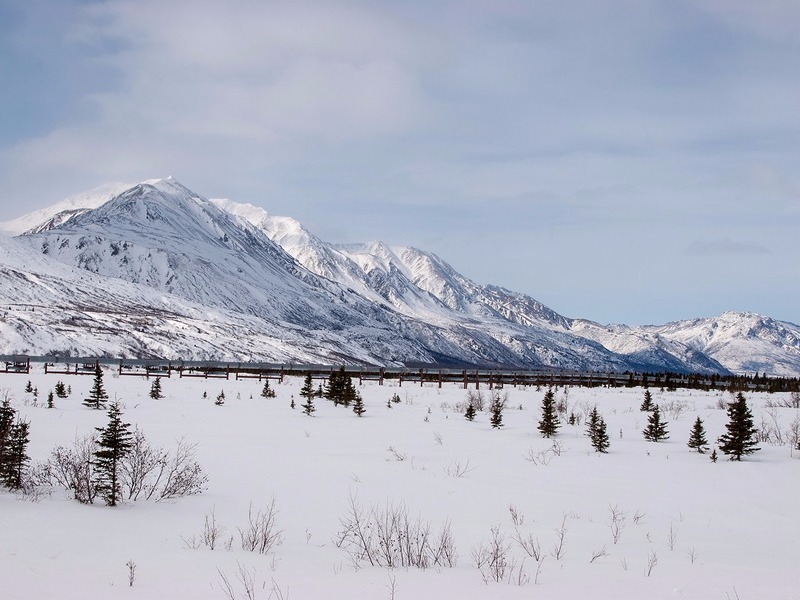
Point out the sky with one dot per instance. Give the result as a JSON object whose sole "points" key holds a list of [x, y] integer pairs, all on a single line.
{"points": [[628, 161]]}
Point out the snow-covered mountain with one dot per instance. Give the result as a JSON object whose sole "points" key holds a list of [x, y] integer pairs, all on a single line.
{"points": [[743, 342], [53, 216], [227, 267]]}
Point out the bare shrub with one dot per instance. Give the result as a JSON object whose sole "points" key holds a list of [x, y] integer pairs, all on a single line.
{"points": [[517, 518], [529, 544], [396, 454], [561, 536], [494, 561], [149, 472], [652, 561], [71, 468], [599, 554], [387, 536], [131, 572], [672, 537], [477, 400], [209, 536], [181, 475], [492, 558], [261, 533], [458, 469], [617, 523], [245, 578]]}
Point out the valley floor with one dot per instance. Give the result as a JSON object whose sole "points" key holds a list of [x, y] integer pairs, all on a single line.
{"points": [[685, 527]]}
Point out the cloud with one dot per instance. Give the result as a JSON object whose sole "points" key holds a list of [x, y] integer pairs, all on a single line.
{"points": [[599, 126], [725, 247]]}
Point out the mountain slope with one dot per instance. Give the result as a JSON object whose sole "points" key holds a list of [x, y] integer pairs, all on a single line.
{"points": [[287, 294], [744, 342], [420, 284], [53, 216]]}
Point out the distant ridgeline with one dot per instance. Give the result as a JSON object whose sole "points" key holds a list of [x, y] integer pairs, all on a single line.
{"points": [[431, 375]]}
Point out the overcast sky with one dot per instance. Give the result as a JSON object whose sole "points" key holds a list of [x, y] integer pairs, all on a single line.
{"points": [[624, 161]]}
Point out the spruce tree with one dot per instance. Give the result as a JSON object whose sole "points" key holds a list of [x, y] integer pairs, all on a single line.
{"points": [[496, 409], [358, 404], [7, 416], [307, 391], [268, 392], [335, 388], [16, 459], [470, 412], [548, 425], [596, 430], [112, 445], [308, 407], [220, 398], [349, 392], [61, 390], [601, 442], [592, 422], [740, 438], [50, 400], [155, 389], [656, 429], [97, 395], [647, 403], [697, 438]]}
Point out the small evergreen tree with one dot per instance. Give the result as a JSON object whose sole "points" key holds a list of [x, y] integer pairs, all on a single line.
{"points": [[29, 387], [112, 445], [220, 398], [307, 391], [572, 418], [548, 425], [358, 404], [647, 403], [697, 438], [740, 438], [267, 392], [496, 409], [656, 429], [97, 395], [61, 390], [470, 411], [16, 459], [349, 392], [292, 404], [308, 407], [155, 389], [601, 442], [596, 430], [713, 455], [591, 423], [7, 416], [335, 388], [50, 400]]}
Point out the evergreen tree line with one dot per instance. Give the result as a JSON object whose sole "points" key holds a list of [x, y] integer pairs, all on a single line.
{"points": [[339, 389], [739, 440]]}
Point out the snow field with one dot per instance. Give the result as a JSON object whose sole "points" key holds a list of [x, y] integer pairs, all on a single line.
{"points": [[716, 530]]}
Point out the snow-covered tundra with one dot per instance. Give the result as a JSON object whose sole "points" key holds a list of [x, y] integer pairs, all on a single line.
{"points": [[489, 512]]}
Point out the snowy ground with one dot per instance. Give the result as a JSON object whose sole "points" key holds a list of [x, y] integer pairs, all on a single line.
{"points": [[717, 531]]}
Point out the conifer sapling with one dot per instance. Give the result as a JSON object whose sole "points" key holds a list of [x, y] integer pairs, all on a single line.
{"points": [[697, 437]]}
